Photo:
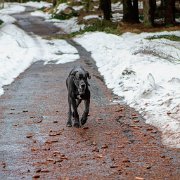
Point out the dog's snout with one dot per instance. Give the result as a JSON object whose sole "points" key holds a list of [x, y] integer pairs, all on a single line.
{"points": [[83, 86]]}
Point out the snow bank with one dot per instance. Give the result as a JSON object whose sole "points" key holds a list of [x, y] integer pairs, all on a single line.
{"points": [[91, 17], [38, 4], [144, 73], [7, 19], [11, 8], [19, 50], [69, 25]]}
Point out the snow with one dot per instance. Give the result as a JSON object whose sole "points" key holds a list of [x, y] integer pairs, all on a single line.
{"points": [[117, 6], [78, 8], [11, 8], [37, 4], [61, 7], [19, 50], [91, 17], [69, 25], [144, 73]]}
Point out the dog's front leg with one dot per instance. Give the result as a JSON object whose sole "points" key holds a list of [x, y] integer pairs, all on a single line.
{"points": [[86, 111], [75, 114], [69, 122]]}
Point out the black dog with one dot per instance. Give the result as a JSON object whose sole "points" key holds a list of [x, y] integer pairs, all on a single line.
{"points": [[77, 86]]}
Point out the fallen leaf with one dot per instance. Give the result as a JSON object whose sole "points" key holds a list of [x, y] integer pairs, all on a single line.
{"points": [[44, 170], [100, 119], [134, 115], [95, 149], [107, 133], [139, 178], [104, 146], [29, 135], [113, 166], [25, 111], [99, 155], [38, 170], [49, 159], [34, 149], [126, 161], [36, 176], [85, 127], [54, 133], [37, 120]]}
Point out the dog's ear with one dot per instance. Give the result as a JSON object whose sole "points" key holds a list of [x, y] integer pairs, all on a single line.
{"points": [[73, 73], [87, 75]]}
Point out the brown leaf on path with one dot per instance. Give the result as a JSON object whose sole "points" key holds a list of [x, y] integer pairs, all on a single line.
{"points": [[139, 178], [134, 115], [85, 127], [104, 146], [51, 141], [29, 135], [107, 133], [36, 176], [99, 156], [45, 170], [37, 120]]}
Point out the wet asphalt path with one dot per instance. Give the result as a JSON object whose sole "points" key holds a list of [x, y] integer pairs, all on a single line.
{"points": [[35, 143]]}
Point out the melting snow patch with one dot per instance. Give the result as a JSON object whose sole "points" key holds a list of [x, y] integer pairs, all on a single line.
{"points": [[19, 50], [145, 73]]}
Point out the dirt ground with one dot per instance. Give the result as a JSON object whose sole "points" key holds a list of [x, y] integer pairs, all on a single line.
{"points": [[114, 144]]}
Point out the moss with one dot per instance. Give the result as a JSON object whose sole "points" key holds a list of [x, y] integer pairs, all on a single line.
{"points": [[102, 26], [1, 21], [170, 37], [63, 16]]}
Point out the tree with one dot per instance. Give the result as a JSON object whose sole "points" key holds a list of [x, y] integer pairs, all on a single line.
{"points": [[54, 2], [130, 11], [105, 6], [1, 4], [149, 7], [169, 12]]}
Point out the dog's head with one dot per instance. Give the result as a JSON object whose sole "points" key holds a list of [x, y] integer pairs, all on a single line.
{"points": [[80, 79]]}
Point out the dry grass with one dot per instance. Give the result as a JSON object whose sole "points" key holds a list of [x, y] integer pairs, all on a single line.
{"points": [[138, 28]]}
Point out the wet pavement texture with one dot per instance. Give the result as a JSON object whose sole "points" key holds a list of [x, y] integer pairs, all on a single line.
{"points": [[115, 143]]}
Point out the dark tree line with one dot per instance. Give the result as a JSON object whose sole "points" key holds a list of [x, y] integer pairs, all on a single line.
{"points": [[131, 11]]}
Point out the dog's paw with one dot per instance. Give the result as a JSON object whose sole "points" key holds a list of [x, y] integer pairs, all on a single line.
{"points": [[69, 124], [76, 124], [83, 120]]}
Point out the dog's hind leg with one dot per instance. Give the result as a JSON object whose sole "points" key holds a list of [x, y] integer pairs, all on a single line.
{"points": [[86, 112]]}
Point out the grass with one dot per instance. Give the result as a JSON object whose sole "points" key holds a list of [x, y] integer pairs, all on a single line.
{"points": [[170, 37], [63, 16], [1, 22], [101, 26]]}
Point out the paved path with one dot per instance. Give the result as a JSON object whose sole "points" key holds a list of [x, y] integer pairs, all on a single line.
{"points": [[114, 144]]}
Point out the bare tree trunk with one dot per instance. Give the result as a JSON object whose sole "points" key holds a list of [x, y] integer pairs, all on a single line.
{"points": [[1, 4], [127, 10], [105, 6], [130, 11], [135, 11], [148, 12], [54, 2], [169, 12]]}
